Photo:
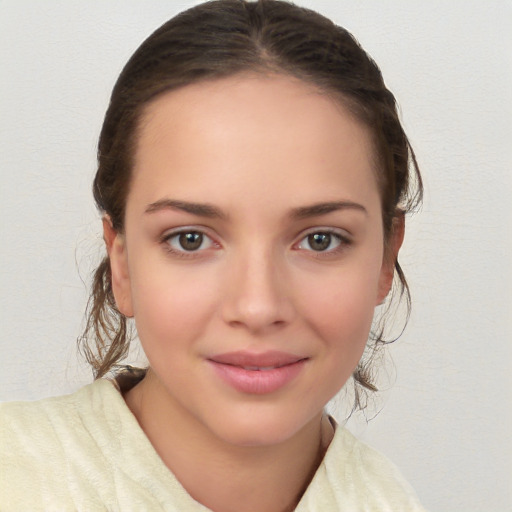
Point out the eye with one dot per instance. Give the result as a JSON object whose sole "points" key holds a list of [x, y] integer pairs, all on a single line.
{"points": [[188, 241], [322, 241]]}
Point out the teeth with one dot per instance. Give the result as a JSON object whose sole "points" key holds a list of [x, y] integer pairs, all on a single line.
{"points": [[259, 368]]}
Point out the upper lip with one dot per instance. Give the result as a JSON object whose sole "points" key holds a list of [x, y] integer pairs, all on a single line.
{"points": [[244, 359]]}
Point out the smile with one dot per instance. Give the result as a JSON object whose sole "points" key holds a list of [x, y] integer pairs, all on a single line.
{"points": [[257, 374]]}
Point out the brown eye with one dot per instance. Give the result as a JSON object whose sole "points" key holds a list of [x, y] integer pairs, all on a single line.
{"points": [[323, 241], [190, 241], [319, 241]]}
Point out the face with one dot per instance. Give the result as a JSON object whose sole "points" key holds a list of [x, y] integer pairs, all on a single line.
{"points": [[252, 258]]}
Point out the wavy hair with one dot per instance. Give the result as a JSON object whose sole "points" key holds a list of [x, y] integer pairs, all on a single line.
{"points": [[218, 39]]}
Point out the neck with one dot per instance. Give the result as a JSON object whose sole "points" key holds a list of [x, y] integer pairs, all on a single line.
{"points": [[222, 476]]}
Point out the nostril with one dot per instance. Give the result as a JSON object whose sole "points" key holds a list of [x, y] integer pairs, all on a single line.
{"points": [[271, 316]]}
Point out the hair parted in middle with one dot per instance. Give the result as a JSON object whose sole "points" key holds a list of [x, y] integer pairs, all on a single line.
{"points": [[223, 38]]}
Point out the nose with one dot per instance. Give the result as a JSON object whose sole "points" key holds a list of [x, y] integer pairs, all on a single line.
{"points": [[258, 297]]}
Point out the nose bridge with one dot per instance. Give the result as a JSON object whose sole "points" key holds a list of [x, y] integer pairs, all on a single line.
{"points": [[258, 297]]}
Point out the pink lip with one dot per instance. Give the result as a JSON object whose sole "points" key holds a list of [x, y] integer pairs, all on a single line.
{"points": [[257, 373]]}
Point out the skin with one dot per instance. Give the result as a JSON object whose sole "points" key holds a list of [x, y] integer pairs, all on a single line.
{"points": [[259, 151]]}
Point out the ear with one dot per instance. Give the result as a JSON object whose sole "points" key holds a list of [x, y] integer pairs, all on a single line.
{"points": [[116, 249], [391, 248]]}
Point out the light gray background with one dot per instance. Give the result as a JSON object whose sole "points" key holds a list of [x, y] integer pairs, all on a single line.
{"points": [[446, 422]]}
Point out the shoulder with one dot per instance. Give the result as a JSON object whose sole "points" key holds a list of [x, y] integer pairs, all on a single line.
{"points": [[83, 451], [32, 430], [50, 418], [354, 476], [46, 441], [372, 476]]}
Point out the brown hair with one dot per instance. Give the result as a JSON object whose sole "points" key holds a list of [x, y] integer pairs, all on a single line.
{"points": [[218, 39]]}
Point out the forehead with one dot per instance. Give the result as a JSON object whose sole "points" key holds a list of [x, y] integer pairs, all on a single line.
{"points": [[248, 133]]}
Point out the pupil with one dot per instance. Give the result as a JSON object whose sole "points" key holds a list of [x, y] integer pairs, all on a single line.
{"points": [[191, 241], [319, 241]]}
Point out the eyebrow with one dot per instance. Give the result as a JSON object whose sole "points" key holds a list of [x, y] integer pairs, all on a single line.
{"points": [[212, 212], [199, 209], [317, 209]]}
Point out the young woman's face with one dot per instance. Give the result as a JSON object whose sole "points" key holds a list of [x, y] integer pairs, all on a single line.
{"points": [[252, 257]]}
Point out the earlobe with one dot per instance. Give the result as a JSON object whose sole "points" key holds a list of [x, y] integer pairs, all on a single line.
{"points": [[391, 249], [116, 249]]}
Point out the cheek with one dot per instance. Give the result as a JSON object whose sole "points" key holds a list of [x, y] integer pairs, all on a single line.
{"points": [[343, 320], [342, 303], [171, 305]]}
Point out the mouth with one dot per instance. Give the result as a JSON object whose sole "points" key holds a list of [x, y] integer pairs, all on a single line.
{"points": [[254, 361], [257, 373]]}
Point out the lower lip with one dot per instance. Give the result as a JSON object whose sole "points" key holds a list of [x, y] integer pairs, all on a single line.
{"points": [[257, 382]]}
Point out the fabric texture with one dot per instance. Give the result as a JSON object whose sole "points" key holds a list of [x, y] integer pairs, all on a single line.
{"points": [[86, 452]]}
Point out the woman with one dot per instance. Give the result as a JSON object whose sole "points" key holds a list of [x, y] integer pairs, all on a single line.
{"points": [[253, 179]]}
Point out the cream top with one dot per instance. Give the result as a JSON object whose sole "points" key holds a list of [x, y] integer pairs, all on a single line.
{"points": [[86, 452]]}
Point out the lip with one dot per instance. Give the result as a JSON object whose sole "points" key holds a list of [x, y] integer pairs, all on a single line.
{"points": [[257, 374]]}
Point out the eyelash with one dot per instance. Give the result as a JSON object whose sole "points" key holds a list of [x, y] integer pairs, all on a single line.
{"points": [[184, 253], [343, 242]]}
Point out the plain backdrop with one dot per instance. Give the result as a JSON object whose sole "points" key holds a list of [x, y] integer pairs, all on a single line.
{"points": [[446, 420]]}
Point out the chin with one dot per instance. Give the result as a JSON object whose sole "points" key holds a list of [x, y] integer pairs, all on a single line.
{"points": [[258, 428]]}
